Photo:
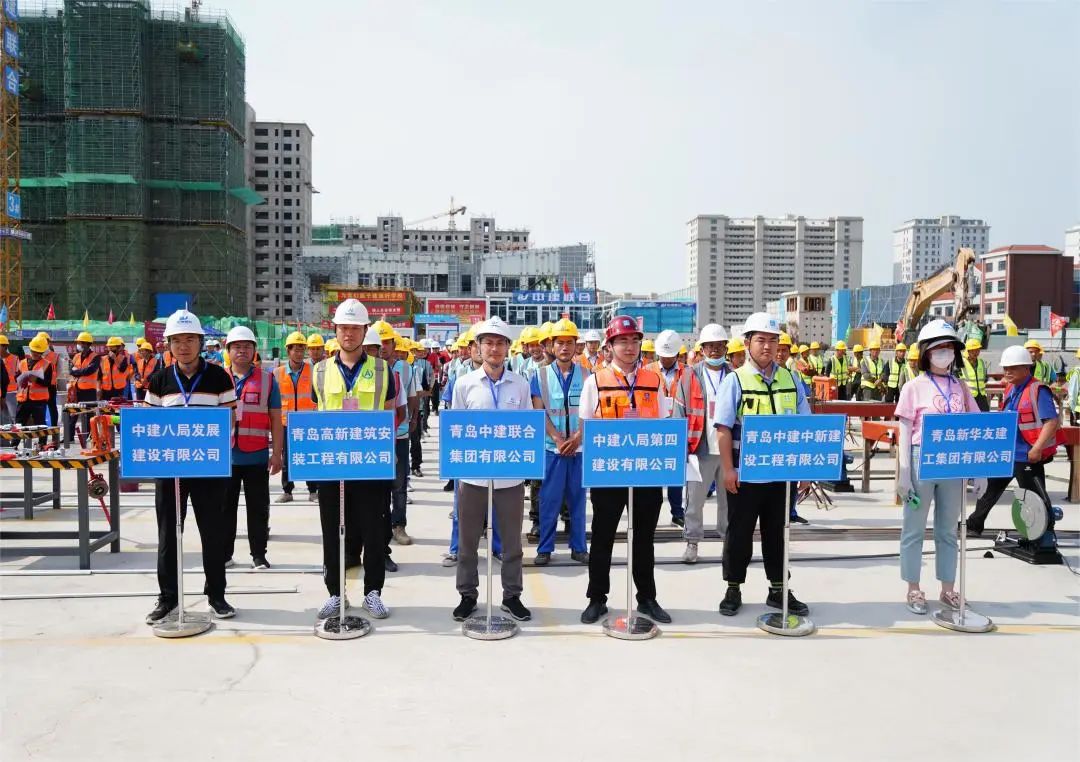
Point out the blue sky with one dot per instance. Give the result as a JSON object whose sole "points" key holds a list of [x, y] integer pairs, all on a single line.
{"points": [[616, 122]]}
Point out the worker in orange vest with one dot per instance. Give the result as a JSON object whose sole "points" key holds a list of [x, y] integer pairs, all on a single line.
{"points": [[294, 381], [53, 359], [33, 381], [624, 389], [116, 369], [8, 403], [146, 363]]}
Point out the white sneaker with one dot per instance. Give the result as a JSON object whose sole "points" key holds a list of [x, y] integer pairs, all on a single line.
{"points": [[690, 555], [373, 603], [450, 559], [230, 564], [332, 607], [313, 497]]}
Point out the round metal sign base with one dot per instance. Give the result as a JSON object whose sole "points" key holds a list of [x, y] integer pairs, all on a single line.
{"points": [[797, 626], [962, 621], [499, 628], [194, 624], [635, 628], [331, 629]]}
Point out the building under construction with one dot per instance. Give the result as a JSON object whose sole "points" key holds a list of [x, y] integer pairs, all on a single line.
{"points": [[132, 140]]}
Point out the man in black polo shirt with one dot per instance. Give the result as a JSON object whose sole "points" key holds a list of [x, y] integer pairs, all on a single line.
{"points": [[190, 382]]}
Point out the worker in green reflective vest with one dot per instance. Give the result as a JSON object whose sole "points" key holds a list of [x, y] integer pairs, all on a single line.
{"points": [[894, 371], [872, 373], [840, 370], [974, 374], [1043, 370], [1073, 380]]}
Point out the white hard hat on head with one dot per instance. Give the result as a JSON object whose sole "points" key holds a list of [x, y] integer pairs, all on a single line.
{"points": [[1015, 355], [761, 322], [351, 312], [371, 339], [493, 326], [937, 332], [713, 332], [240, 333], [593, 335], [183, 321], [667, 344]]}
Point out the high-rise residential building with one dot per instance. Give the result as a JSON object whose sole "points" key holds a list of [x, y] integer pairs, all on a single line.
{"points": [[1072, 243], [737, 265], [281, 173], [922, 246]]}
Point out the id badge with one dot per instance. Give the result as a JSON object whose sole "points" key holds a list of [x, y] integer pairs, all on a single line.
{"points": [[630, 412], [712, 410], [350, 403]]}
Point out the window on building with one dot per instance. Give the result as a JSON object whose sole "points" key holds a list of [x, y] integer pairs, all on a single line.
{"points": [[288, 160], [261, 160], [287, 133], [466, 284], [260, 132], [441, 283]]}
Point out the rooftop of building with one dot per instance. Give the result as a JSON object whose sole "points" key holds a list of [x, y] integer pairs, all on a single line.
{"points": [[1036, 248]]}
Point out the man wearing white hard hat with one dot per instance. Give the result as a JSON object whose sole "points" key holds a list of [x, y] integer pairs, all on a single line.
{"points": [[758, 387], [257, 443], [492, 387], [1036, 435], [590, 359], [190, 382], [711, 373], [354, 380]]}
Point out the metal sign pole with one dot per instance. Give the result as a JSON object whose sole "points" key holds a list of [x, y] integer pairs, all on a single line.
{"points": [[632, 626], [784, 623], [961, 619], [184, 625], [489, 626], [342, 627]]}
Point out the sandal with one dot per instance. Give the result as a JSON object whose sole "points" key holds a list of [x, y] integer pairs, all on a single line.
{"points": [[950, 599], [916, 602]]}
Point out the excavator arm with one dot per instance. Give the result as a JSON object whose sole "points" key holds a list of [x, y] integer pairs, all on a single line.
{"points": [[950, 278]]}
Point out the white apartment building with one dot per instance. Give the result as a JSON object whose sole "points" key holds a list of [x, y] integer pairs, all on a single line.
{"points": [[280, 167], [739, 265], [921, 246], [1072, 243]]}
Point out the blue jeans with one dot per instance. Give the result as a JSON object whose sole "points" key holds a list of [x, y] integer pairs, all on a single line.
{"points": [[946, 496], [496, 543], [562, 481], [675, 501]]}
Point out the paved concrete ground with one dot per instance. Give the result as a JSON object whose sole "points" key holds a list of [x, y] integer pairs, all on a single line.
{"points": [[84, 678]]}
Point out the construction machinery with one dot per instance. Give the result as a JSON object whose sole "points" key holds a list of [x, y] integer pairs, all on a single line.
{"points": [[452, 212], [957, 278]]}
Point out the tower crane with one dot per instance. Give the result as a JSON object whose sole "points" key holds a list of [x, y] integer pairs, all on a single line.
{"points": [[452, 212]]}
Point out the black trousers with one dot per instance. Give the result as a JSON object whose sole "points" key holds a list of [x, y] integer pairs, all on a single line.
{"points": [[416, 455], [54, 413], [892, 395], [401, 483], [255, 481], [206, 497], [982, 402], [365, 506], [1030, 476], [436, 394], [754, 502], [608, 504], [868, 395], [286, 485], [81, 395]]}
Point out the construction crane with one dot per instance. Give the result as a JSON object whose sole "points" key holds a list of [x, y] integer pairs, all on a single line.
{"points": [[452, 212], [955, 278]]}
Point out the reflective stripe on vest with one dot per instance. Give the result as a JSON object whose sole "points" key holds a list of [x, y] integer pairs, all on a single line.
{"points": [[561, 411], [118, 378], [612, 399], [1043, 372], [975, 376], [873, 368], [781, 397], [11, 362], [252, 430], [896, 368], [688, 398], [89, 382], [1028, 423], [842, 363], [144, 369], [54, 362], [817, 363], [369, 391], [34, 391], [294, 397]]}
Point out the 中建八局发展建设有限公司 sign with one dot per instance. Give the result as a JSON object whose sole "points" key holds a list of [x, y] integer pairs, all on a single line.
{"points": [[791, 448], [634, 452], [967, 445], [491, 444], [336, 445], [171, 442]]}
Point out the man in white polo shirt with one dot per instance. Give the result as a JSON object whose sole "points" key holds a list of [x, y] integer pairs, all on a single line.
{"points": [[491, 387]]}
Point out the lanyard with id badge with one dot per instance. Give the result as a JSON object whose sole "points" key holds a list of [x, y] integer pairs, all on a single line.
{"points": [[349, 376], [626, 407]]}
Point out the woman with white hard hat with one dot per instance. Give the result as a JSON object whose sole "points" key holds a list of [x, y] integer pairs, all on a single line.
{"points": [[936, 390], [1036, 435]]}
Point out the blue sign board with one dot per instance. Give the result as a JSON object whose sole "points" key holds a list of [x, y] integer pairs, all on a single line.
{"points": [[11, 80], [340, 445], [11, 42], [170, 442], [491, 444], [14, 205], [574, 296], [967, 445], [425, 319], [634, 452], [11, 9], [791, 448]]}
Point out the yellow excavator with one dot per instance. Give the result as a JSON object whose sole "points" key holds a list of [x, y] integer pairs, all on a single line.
{"points": [[956, 277]]}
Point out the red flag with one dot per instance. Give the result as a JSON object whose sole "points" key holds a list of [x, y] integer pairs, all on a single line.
{"points": [[565, 287], [1057, 322], [110, 317], [51, 314]]}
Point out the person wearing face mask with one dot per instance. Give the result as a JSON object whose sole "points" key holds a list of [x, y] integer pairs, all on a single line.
{"points": [[87, 374], [937, 390]]}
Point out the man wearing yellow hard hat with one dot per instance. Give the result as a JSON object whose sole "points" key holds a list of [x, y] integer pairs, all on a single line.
{"points": [[393, 352], [648, 351], [974, 373], [316, 348], [840, 370], [32, 381], [86, 373], [294, 378], [894, 370], [1043, 371], [872, 373], [422, 383], [10, 364], [815, 360]]}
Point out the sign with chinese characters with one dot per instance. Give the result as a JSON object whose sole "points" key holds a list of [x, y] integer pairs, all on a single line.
{"points": [[170, 442], [967, 445], [11, 80], [11, 9], [491, 444], [574, 296], [791, 448], [370, 297], [634, 452], [339, 445], [11, 42], [467, 311]]}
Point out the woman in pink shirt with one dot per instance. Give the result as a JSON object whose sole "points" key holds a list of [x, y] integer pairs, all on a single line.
{"points": [[936, 390]]}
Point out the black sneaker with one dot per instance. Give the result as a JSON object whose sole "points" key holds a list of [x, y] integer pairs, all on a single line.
{"points": [[449, 486], [390, 565], [542, 559], [678, 521], [498, 557], [794, 605], [534, 533], [515, 608], [418, 473], [466, 607], [164, 607], [259, 562], [797, 519], [732, 602], [597, 608], [220, 608], [654, 611]]}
